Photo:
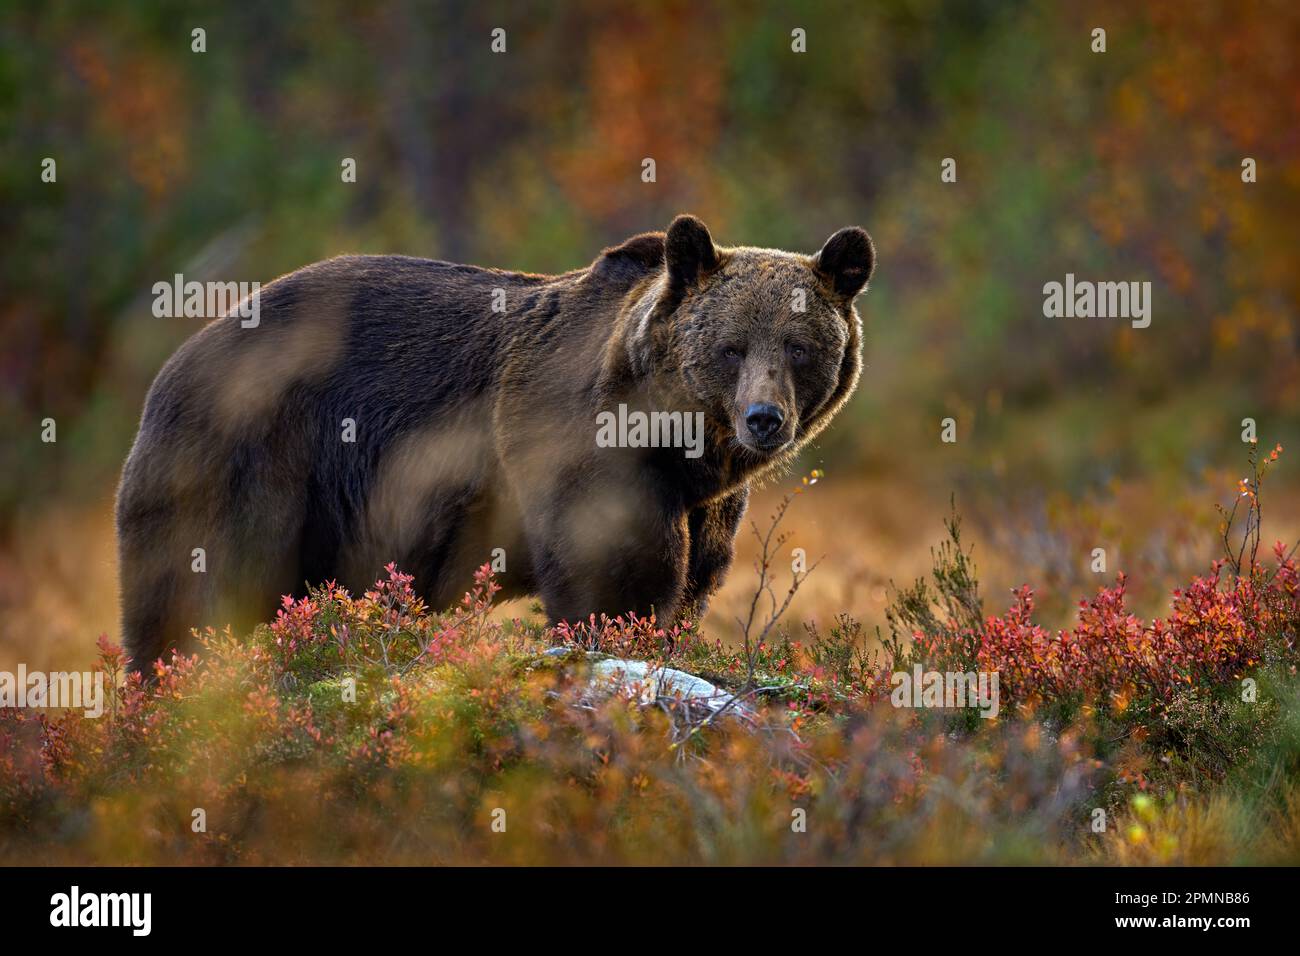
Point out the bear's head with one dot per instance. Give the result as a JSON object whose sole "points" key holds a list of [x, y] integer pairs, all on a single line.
{"points": [[767, 343]]}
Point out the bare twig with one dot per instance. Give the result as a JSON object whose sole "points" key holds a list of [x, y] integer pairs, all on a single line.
{"points": [[763, 565]]}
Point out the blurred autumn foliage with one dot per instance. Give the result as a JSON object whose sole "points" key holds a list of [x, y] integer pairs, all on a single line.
{"points": [[1123, 165]]}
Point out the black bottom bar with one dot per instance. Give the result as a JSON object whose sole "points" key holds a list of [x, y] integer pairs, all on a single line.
{"points": [[238, 905]]}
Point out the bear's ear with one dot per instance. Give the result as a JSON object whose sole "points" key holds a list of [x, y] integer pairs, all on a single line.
{"points": [[847, 261], [689, 253]]}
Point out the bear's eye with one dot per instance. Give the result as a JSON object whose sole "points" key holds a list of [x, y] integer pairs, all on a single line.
{"points": [[796, 352], [730, 353]]}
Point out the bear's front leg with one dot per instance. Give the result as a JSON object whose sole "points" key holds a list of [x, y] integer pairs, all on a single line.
{"points": [[712, 529], [609, 549]]}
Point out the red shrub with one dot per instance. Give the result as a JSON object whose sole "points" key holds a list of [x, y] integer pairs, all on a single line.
{"points": [[1214, 633]]}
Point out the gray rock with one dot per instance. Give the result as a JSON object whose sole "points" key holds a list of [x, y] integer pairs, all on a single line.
{"points": [[648, 682]]}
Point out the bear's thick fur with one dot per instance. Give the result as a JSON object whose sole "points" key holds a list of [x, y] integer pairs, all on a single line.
{"points": [[473, 395]]}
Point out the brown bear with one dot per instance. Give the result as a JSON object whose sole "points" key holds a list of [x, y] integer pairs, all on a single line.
{"points": [[600, 428]]}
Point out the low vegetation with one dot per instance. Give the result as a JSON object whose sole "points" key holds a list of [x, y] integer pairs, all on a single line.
{"points": [[373, 729]]}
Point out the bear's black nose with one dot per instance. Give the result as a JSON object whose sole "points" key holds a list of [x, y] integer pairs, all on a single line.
{"points": [[763, 419]]}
